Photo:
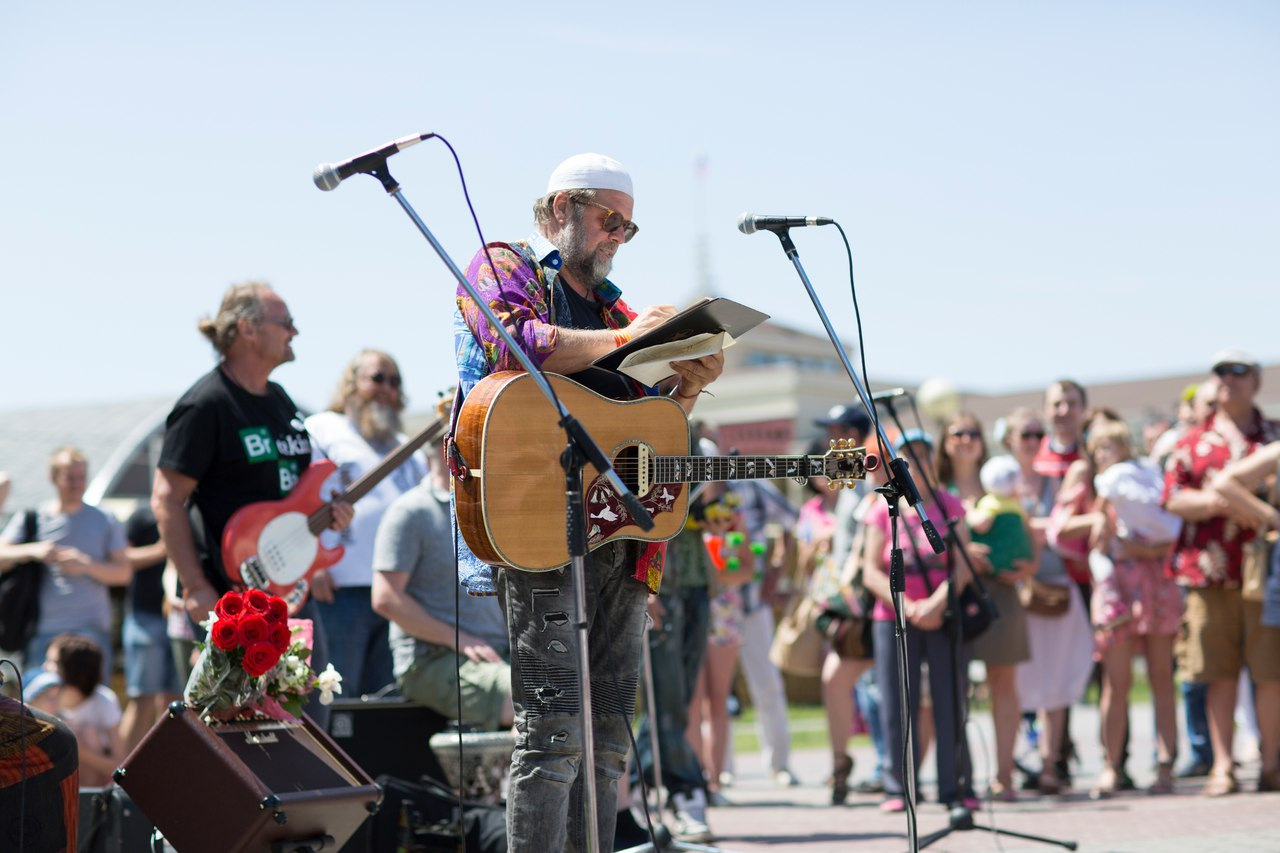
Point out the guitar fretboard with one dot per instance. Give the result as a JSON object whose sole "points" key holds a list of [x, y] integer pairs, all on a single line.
{"points": [[709, 469]]}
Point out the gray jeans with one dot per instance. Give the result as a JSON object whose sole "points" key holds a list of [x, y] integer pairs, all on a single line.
{"points": [[546, 796]]}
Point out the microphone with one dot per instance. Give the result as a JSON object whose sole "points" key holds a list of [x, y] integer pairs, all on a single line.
{"points": [[750, 223], [889, 394], [327, 176]]}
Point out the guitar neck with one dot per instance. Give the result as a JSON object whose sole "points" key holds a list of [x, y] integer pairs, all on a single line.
{"points": [[713, 469], [321, 518]]}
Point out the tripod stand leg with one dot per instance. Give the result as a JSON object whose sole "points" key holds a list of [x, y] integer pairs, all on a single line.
{"points": [[1070, 845]]}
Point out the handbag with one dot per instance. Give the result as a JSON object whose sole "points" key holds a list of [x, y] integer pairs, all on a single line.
{"points": [[848, 632], [1044, 599], [20, 595], [797, 646], [977, 612]]}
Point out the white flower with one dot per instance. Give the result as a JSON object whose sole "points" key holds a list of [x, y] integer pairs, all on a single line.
{"points": [[329, 682]]}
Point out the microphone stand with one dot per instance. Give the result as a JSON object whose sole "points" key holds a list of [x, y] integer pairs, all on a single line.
{"points": [[580, 448], [899, 485], [959, 817]]}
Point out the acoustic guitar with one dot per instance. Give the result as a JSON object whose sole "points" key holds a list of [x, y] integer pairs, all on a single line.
{"points": [[511, 502], [275, 545]]}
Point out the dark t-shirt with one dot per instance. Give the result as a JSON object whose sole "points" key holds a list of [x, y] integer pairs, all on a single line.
{"points": [[146, 590], [585, 314], [239, 448]]}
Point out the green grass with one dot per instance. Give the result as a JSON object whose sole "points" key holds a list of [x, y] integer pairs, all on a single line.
{"points": [[807, 724]]}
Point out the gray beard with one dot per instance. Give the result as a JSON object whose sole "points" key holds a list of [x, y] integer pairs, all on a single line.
{"points": [[376, 422], [578, 258]]}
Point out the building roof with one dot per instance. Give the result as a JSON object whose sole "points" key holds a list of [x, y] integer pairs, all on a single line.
{"points": [[111, 435]]}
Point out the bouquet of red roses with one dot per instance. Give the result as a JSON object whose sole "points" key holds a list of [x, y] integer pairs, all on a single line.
{"points": [[248, 633]]}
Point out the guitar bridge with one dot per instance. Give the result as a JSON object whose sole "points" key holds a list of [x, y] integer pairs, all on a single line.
{"points": [[643, 480], [252, 573]]}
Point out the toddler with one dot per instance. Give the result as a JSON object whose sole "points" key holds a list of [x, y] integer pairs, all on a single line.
{"points": [[1130, 488], [998, 519]]}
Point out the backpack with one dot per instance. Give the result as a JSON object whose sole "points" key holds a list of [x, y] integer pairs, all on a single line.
{"points": [[20, 595]]}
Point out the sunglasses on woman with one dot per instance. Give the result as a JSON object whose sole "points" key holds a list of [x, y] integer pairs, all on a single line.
{"points": [[613, 220], [381, 378]]}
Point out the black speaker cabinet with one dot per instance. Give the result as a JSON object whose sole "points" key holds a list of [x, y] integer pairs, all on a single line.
{"points": [[390, 737], [110, 822], [257, 786]]}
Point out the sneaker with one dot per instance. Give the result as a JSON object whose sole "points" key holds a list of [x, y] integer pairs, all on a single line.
{"points": [[893, 805], [1194, 770], [717, 799], [784, 778], [691, 817], [869, 786]]}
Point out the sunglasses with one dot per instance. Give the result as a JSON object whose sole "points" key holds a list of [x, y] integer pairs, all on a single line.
{"points": [[1032, 433], [964, 433], [285, 323], [1233, 370], [380, 378], [613, 221]]}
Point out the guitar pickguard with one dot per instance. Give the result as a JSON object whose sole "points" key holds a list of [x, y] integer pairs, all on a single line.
{"points": [[607, 514]]}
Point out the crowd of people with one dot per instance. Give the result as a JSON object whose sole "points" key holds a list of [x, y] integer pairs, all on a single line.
{"points": [[1090, 547]]}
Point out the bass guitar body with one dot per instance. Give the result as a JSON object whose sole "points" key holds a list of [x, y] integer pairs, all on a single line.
{"points": [[270, 545], [511, 505]]}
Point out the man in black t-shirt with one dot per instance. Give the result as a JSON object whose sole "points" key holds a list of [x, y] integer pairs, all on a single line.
{"points": [[232, 439]]}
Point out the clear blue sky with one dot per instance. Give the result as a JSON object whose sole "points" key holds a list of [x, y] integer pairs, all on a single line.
{"points": [[1031, 188]]}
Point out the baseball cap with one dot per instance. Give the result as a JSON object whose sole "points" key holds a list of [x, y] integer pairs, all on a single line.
{"points": [[1235, 356], [590, 172], [909, 436], [848, 416]]}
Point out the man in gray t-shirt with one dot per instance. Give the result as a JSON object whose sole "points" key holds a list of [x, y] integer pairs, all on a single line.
{"points": [[415, 587], [84, 551]]}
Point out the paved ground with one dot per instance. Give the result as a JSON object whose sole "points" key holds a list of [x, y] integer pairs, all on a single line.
{"points": [[767, 817]]}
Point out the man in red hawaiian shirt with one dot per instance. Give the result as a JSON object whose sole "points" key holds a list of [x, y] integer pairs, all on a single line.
{"points": [[1222, 630]]}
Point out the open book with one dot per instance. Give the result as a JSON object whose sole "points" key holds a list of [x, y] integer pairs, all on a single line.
{"points": [[705, 327]]}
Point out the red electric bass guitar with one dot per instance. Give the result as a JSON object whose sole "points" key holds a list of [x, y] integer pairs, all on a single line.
{"points": [[275, 545]]}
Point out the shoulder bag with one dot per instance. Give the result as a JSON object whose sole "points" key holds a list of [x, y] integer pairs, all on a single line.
{"points": [[20, 595]]}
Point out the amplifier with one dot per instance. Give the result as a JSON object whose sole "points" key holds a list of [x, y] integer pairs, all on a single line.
{"points": [[241, 786], [388, 737]]}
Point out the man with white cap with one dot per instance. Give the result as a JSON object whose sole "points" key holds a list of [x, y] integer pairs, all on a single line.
{"points": [[1222, 630], [552, 292]]}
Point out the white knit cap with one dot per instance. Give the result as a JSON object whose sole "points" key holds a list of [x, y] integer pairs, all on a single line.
{"points": [[590, 172]]}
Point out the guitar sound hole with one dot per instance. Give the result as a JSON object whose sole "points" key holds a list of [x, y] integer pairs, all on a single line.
{"points": [[626, 463]]}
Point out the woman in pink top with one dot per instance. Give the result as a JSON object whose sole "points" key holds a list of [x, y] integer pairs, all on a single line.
{"points": [[925, 604]]}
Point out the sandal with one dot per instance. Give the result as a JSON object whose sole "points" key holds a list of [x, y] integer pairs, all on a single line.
{"points": [[841, 768], [1049, 784], [1220, 784], [1001, 793], [1164, 779], [1268, 780], [1108, 782]]}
